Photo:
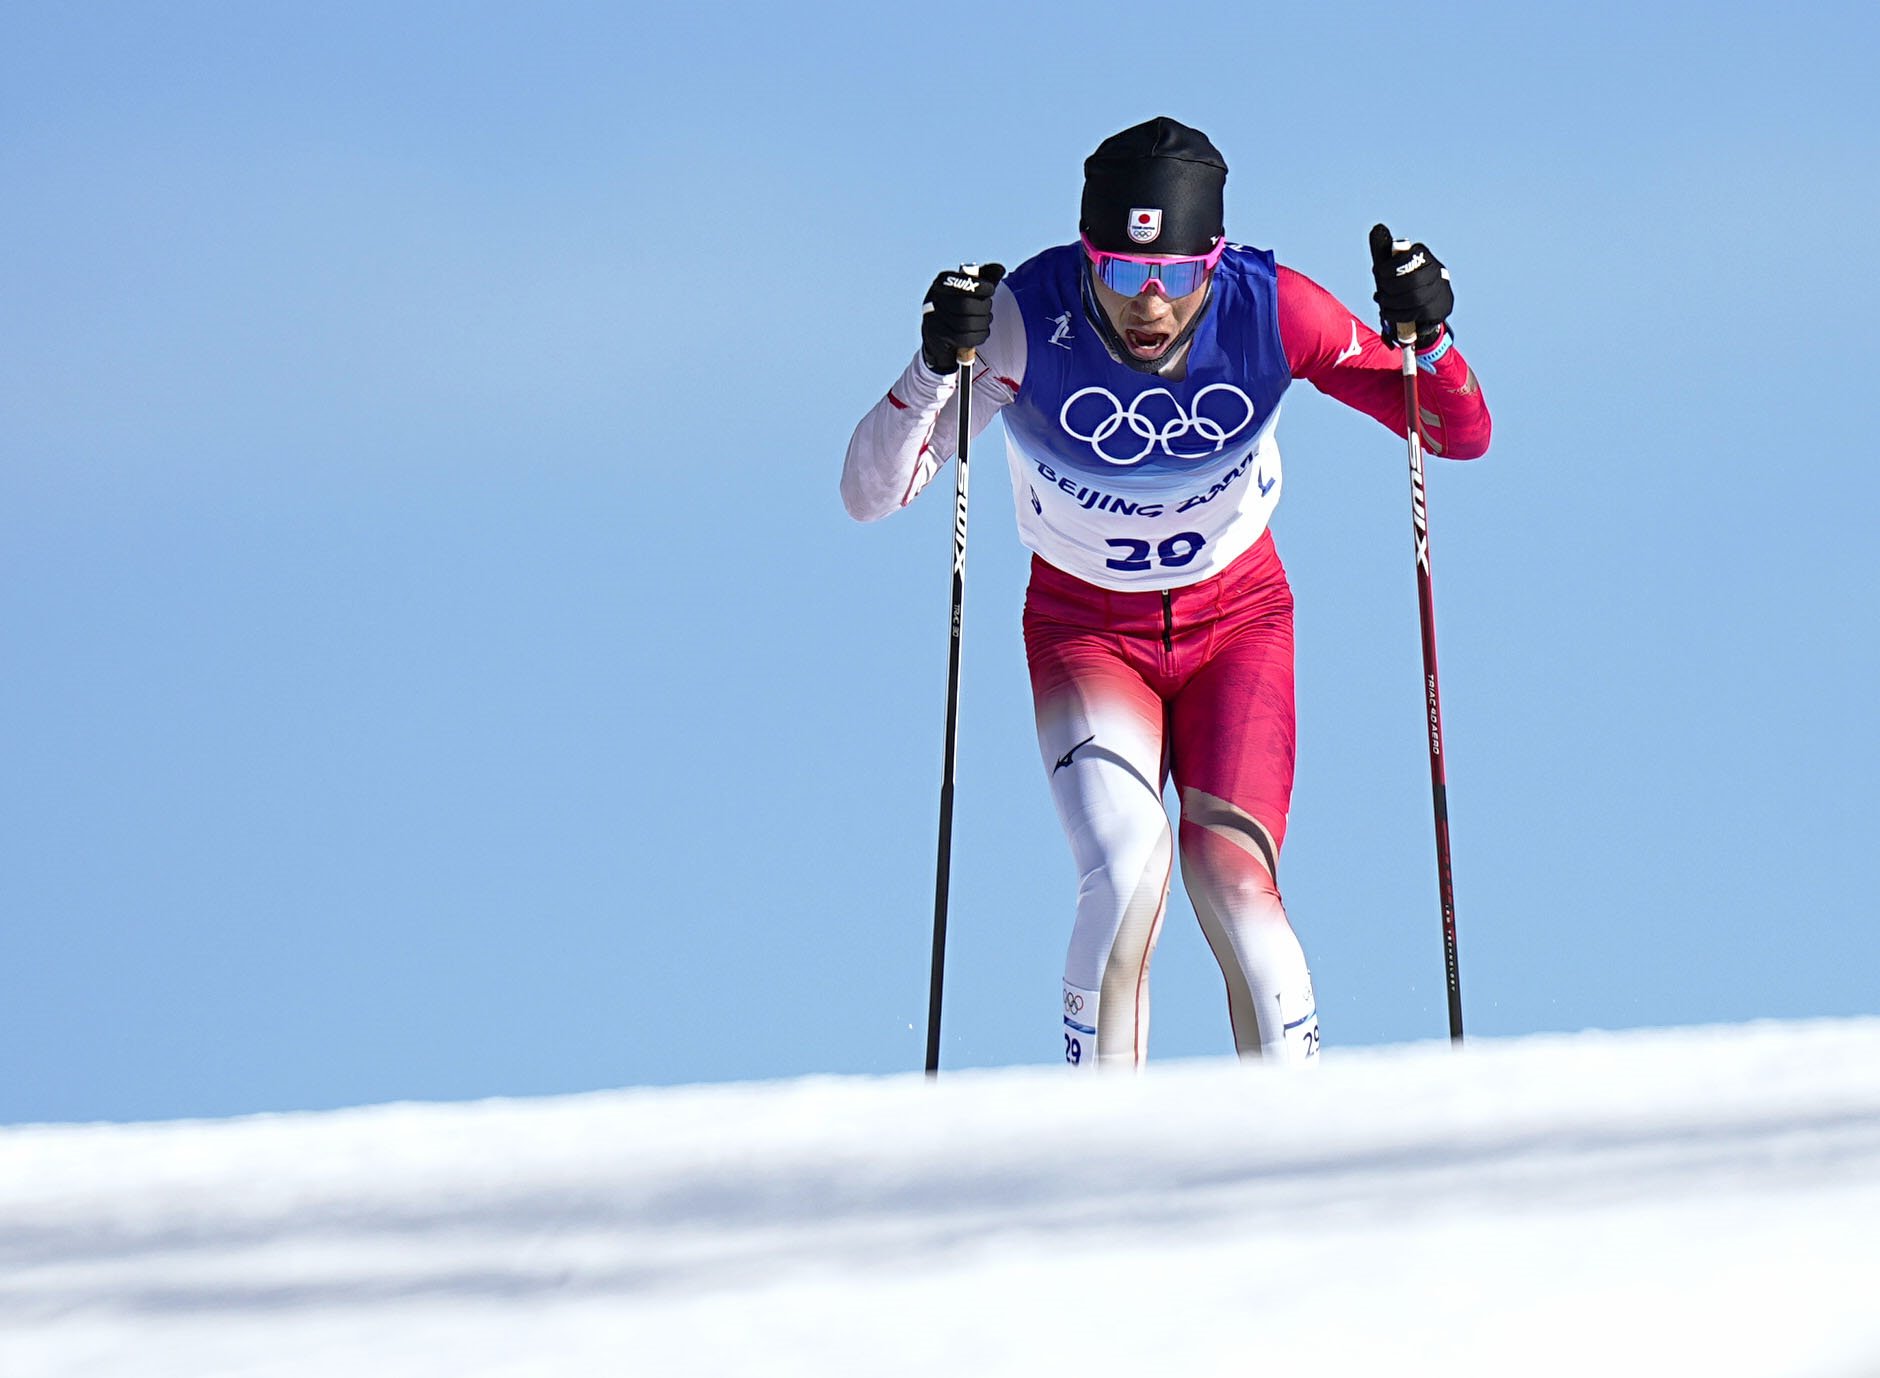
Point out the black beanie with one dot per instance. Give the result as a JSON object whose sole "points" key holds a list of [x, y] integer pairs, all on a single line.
{"points": [[1155, 188]]}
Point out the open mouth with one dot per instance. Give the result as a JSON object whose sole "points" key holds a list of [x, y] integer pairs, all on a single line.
{"points": [[1146, 344]]}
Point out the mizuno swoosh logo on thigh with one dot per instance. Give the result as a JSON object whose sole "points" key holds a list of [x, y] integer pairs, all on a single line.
{"points": [[1065, 759]]}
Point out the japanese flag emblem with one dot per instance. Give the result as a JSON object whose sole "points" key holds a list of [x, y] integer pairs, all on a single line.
{"points": [[1145, 224]]}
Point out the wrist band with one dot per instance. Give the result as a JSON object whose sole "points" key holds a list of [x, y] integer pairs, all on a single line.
{"points": [[1427, 362]]}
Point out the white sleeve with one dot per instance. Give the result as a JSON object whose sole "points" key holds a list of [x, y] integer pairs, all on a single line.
{"points": [[906, 436]]}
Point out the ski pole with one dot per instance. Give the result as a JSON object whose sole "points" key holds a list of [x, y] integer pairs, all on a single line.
{"points": [[1426, 608], [944, 865]]}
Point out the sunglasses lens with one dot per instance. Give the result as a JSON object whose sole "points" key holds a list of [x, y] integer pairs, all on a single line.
{"points": [[1127, 278], [1122, 276], [1179, 279]]}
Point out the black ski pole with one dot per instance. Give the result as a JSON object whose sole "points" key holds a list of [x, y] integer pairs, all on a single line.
{"points": [[1426, 608], [944, 866]]}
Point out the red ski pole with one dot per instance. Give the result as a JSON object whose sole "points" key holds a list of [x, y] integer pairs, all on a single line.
{"points": [[1426, 608]]}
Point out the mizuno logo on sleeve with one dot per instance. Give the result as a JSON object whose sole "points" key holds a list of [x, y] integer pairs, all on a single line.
{"points": [[1352, 350]]}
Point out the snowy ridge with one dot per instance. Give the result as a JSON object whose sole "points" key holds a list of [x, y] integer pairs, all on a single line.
{"points": [[1668, 1202]]}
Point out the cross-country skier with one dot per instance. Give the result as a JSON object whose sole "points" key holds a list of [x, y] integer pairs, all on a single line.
{"points": [[1140, 372]]}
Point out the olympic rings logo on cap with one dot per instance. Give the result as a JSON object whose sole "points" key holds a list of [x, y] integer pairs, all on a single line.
{"points": [[1156, 434]]}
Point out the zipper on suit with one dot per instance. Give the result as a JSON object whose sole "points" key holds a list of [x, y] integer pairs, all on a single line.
{"points": [[1168, 620]]}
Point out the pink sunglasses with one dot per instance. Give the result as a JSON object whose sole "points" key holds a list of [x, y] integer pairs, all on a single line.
{"points": [[1176, 275]]}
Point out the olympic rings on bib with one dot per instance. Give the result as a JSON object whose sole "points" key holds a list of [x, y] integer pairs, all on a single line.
{"points": [[1145, 427]]}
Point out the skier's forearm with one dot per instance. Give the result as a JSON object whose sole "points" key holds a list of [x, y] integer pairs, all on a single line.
{"points": [[1456, 423], [912, 431], [900, 444], [1344, 358]]}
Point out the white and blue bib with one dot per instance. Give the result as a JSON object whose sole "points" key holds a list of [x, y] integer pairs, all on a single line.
{"points": [[1128, 480]]}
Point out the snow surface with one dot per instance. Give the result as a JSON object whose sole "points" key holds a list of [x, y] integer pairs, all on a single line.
{"points": [[1702, 1201]]}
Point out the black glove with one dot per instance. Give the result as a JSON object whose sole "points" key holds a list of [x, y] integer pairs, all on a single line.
{"points": [[1412, 285], [958, 314]]}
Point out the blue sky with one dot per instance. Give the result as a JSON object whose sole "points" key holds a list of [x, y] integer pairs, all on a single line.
{"points": [[436, 663]]}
